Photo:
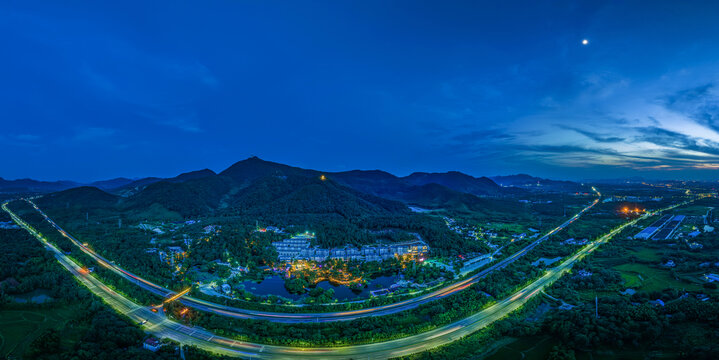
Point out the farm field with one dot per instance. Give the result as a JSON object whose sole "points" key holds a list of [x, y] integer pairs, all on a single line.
{"points": [[539, 347], [646, 254], [694, 210], [648, 278], [18, 328]]}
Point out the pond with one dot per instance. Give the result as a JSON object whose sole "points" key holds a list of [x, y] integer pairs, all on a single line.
{"points": [[345, 293], [36, 296], [275, 285]]}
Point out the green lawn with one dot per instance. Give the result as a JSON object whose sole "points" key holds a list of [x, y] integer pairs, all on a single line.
{"points": [[646, 254], [632, 280], [647, 278], [527, 348], [693, 210], [18, 328]]}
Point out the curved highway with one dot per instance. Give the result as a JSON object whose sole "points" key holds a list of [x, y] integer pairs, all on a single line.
{"points": [[382, 310], [160, 326]]}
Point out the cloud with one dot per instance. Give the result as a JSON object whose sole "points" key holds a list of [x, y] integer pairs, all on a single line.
{"points": [[482, 135], [700, 103], [93, 133], [679, 143], [661, 125], [21, 140], [173, 118], [184, 124], [682, 97], [595, 136], [27, 137], [167, 89], [193, 71]]}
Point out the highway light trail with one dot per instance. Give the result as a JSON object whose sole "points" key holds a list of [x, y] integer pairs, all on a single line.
{"points": [[240, 313], [160, 326]]}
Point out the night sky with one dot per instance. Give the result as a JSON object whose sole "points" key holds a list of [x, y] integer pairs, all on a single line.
{"points": [[92, 90]]}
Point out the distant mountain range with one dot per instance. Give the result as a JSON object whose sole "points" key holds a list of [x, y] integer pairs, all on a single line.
{"points": [[344, 207], [371, 181], [256, 186], [30, 185], [524, 180], [259, 187]]}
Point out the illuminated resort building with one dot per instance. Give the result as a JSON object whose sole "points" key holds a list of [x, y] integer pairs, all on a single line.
{"points": [[299, 248]]}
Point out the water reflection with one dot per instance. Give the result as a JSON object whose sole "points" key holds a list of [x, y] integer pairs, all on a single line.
{"points": [[275, 285]]}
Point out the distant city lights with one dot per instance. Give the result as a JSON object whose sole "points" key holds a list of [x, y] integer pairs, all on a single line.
{"points": [[632, 211]]}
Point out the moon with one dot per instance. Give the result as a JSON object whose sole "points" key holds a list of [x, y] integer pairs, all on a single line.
{"points": [[585, 42]]}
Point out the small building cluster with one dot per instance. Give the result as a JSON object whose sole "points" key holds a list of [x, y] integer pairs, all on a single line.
{"points": [[662, 229], [573, 241], [234, 270], [211, 229], [273, 229], [653, 228], [298, 248], [173, 256], [620, 198], [152, 344]]}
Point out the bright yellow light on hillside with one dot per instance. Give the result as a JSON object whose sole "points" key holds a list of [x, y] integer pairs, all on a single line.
{"points": [[323, 177]]}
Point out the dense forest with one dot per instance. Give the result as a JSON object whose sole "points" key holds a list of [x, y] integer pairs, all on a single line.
{"points": [[341, 208], [96, 331]]}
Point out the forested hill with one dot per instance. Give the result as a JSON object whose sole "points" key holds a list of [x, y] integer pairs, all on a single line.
{"points": [[265, 197], [83, 197], [456, 181], [344, 207], [249, 170], [30, 185], [310, 195], [112, 183], [192, 175], [384, 184], [375, 182], [201, 196], [262, 188]]}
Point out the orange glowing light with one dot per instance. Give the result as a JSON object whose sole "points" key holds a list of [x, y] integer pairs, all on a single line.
{"points": [[178, 295]]}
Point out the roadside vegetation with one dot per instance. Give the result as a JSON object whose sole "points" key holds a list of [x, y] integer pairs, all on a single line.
{"points": [[670, 313], [46, 314]]}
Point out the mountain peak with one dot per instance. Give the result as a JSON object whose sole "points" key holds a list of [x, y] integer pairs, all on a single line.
{"points": [[455, 180], [191, 175], [253, 168]]}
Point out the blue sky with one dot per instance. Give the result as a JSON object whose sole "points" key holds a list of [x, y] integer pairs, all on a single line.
{"points": [[93, 90]]}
